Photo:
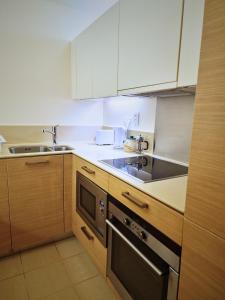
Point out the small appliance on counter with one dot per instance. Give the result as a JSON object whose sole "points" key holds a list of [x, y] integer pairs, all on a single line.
{"points": [[119, 137], [105, 137], [2, 141], [137, 144]]}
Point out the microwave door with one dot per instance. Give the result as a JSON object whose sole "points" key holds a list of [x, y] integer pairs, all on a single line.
{"points": [[92, 205]]}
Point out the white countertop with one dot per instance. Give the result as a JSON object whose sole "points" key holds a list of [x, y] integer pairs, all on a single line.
{"points": [[171, 192]]}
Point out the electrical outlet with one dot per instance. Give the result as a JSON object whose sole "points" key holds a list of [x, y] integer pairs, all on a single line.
{"points": [[136, 119]]}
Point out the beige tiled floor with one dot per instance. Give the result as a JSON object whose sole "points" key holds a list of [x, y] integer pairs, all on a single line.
{"points": [[59, 271]]}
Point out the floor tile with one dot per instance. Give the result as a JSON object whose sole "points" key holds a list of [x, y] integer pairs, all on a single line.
{"points": [[39, 257], [67, 294], [94, 289], [13, 289], [80, 267], [69, 247], [45, 281], [10, 266]]}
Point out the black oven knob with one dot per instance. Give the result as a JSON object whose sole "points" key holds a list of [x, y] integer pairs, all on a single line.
{"points": [[142, 235], [126, 221]]}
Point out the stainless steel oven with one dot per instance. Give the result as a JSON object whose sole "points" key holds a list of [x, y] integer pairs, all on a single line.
{"points": [[143, 264], [91, 205]]}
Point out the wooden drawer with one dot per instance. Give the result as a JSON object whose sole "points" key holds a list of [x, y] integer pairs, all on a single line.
{"points": [[89, 241], [98, 176], [159, 215]]}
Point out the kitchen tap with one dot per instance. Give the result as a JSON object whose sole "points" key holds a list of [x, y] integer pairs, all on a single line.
{"points": [[53, 132]]}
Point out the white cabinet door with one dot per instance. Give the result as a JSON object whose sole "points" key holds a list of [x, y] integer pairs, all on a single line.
{"points": [[81, 66], [149, 39], [105, 54], [191, 42], [94, 58]]}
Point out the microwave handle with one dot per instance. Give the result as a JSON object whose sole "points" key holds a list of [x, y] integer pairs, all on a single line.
{"points": [[151, 265]]}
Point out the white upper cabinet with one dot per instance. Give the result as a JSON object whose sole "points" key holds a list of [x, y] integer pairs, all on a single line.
{"points": [[94, 58], [81, 68], [149, 41], [105, 54], [191, 42]]}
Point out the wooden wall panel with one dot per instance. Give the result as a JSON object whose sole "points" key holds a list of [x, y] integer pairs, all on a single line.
{"points": [[206, 184], [203, 265]]}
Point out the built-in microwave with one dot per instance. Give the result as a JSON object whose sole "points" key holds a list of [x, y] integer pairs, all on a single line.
{"points": [[91, 205]]}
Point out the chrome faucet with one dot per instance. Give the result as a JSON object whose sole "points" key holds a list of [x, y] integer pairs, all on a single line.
{"points": [[53, 132]]}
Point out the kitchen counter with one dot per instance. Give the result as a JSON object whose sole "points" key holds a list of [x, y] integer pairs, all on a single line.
{"points": [[171, 192]]}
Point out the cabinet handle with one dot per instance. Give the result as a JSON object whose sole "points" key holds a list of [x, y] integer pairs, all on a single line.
{"points": [[86, 233], [136, 201], [89, 171], [29, 163]]}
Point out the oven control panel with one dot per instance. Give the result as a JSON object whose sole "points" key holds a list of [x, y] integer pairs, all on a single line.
{"points": [[135, 228]]}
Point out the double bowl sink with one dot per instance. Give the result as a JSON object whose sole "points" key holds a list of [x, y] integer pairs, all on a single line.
{"points": [[36, 149]]}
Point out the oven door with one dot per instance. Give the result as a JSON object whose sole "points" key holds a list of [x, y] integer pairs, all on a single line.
{"points": [[134, 269], [91, 205]]}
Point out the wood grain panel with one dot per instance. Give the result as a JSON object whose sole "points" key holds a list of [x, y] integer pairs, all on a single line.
{"points": [[100, 177], [95, 249], [203, 265], [68, 192], [5, 235], [159, 215], [206, 185], [36, 199]]}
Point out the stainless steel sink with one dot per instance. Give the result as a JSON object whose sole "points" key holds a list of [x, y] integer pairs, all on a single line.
{"points": [[35, 149], [61, 148], [29, 149]]}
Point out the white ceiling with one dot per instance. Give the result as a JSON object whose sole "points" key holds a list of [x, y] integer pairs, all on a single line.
{"points": [[61, 19]]}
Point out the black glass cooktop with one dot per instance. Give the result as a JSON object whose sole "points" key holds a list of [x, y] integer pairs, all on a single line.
{"points": [[147, 168]]}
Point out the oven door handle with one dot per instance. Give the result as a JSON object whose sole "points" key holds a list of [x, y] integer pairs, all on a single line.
{"points": [[150, 264]]}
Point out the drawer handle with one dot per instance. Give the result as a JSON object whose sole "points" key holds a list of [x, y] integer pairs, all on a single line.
{"points": [[136, 201], [89, 171], [86, 233], [30, 163]]}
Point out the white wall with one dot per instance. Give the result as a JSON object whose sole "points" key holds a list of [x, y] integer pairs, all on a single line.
{"points": [[119, 110], [35, 61]]}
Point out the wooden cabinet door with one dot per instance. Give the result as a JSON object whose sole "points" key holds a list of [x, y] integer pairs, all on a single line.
{"points": [[36, 199], [203, 265], [206, 184], [191, 42], [68, 172], [5, 235], [105, 54], [149, 41]]}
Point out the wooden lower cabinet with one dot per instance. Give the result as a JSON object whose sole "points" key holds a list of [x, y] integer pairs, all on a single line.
{"points": [[95, 174], [68, 159], [36, 199], [165, 219], [93, 246], [5, 235], [203, 265]]}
